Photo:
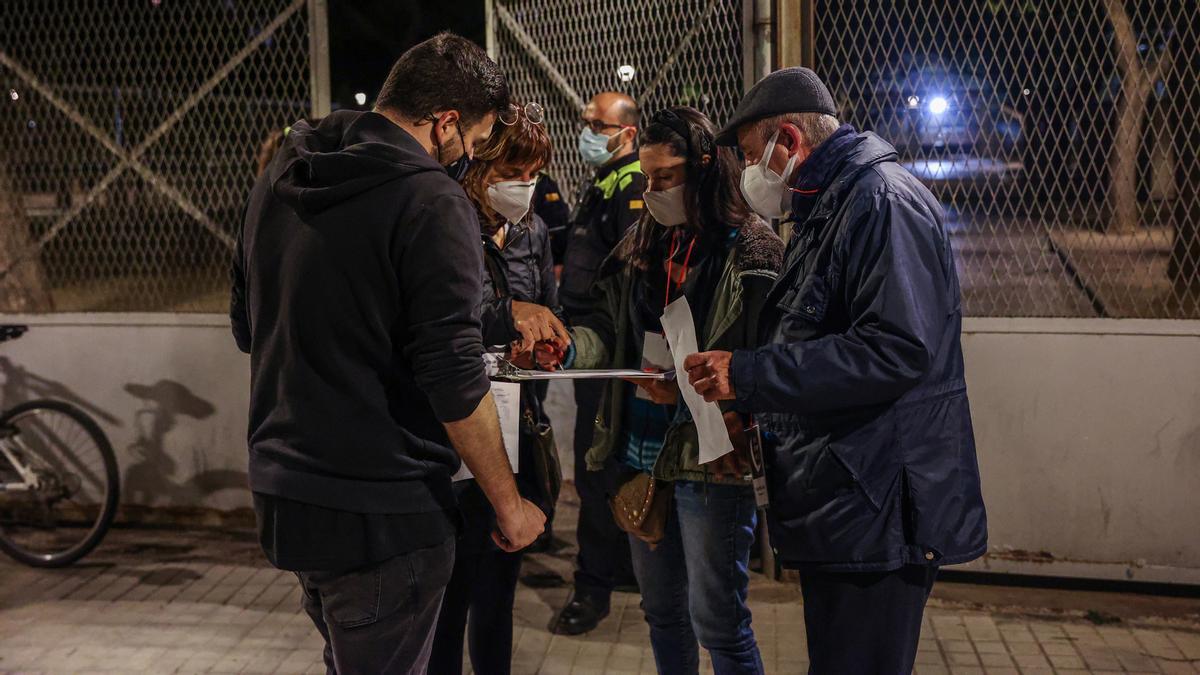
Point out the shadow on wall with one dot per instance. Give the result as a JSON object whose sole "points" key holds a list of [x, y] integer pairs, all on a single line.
{"points": [[151, 479], [20, 385]]}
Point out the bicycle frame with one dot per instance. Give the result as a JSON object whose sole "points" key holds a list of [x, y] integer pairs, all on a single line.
{"points": [[8, 439]]}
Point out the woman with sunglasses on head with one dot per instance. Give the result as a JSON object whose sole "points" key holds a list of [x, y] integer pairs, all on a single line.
{"points": [[701, 241], [518, 281]]}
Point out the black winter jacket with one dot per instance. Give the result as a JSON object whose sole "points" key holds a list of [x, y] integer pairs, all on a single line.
{"points": [[523, 270]]}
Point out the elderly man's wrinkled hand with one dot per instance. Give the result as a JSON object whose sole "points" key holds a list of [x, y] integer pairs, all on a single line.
{"points": [[708, 373]]}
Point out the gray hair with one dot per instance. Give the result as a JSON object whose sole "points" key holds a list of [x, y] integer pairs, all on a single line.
{"points": [[816, 128]]}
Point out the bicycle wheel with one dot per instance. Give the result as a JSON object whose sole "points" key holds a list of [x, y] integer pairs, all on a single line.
{"points": [[75, 499]]}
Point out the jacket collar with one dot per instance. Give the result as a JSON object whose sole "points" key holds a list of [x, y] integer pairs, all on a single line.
{"points": [[604, 171], [821, 167], [863, 151]]}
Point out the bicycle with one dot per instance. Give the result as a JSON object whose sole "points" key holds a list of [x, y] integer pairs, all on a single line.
{"points": [[59, 484]]}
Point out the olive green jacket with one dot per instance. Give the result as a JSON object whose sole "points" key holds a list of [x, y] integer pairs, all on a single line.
{"points": [[602, 339]]}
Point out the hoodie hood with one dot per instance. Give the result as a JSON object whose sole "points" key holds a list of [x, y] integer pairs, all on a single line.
{"points": [[346, 154]]}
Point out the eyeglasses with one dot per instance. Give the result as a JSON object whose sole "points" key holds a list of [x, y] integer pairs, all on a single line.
{"points": [[599, 126], [534, 112]]}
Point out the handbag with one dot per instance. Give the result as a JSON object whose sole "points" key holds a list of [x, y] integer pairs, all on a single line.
{"points": [[547, 470], [641, 507]]}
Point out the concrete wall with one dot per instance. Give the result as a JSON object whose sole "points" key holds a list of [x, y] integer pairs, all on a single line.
{"points": [[171, 392], [1089, 444], [1088, 430]]}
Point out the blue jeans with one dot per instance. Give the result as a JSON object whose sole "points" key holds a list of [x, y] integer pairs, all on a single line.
{"points": [[694, 583]]}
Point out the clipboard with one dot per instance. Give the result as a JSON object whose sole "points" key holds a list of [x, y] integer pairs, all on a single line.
{"points": [[507, 372]]}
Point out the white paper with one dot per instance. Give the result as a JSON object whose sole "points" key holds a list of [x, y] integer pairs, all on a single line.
{"points": [[508, 405], [710, 424], [656, 355]]}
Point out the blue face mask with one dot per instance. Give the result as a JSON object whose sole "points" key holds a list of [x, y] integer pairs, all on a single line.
{"points": [[594, 147]]}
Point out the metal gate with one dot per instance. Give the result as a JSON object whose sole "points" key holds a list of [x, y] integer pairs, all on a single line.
{"points": [[130, 130], [668, 52], [1061, 136]]}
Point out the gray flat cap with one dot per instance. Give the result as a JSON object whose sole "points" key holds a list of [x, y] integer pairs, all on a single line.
{"points": [[791, 90]]}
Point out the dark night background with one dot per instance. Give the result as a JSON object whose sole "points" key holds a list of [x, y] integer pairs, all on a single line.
{"points": [[367, 36]]}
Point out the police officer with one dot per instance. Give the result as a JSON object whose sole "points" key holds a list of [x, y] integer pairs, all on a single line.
{"points": [[549, 205], [871, 472], [606, 206]]}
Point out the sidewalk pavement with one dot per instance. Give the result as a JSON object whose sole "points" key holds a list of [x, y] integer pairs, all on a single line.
{"points": [[196, 601]]}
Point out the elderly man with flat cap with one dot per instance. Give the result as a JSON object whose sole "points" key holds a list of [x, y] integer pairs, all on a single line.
{"points": [[870, 457]]}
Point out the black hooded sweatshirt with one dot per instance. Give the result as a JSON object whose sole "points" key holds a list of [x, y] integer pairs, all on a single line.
{"points": [[356, 292]]}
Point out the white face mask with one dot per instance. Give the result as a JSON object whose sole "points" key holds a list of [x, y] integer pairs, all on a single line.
{"points": [[510, 198], [766, 191], [666, 206]]}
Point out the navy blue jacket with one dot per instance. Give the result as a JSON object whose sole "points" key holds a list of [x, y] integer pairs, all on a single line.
{"points": [[871, 457]]}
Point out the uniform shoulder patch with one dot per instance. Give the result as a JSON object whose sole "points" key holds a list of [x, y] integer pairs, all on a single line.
{"points": [[635, 204], [552, 197]]}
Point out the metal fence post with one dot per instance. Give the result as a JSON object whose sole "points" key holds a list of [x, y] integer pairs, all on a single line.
{"points": [[489, 27], [318, 52], [758, 48], [796, 29]]}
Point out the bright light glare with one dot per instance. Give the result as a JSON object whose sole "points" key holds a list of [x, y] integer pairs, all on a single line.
{"points": [[938, 105], [360, 98], [914, 101]]}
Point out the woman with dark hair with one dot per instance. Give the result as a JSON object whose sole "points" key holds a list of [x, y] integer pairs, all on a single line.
{"points": [[698, 240], [518, 273]]}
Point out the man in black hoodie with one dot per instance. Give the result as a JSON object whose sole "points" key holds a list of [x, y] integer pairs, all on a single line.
{"points": [[356, 292]]}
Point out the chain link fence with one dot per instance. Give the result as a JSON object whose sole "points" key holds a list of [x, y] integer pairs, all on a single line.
{"points": [[560, 53], [1062, 136], [130, 130]]}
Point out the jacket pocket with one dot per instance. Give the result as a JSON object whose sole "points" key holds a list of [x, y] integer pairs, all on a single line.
{"points": [[807, 301], [803, 476], [869, 455]]}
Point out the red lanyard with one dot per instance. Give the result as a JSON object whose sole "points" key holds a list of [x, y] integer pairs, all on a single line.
{"points": [[671, 265]]}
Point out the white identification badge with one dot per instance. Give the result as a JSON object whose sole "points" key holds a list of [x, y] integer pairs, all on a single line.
{"points": [[656, 355], [508, 406], [758, 467]]}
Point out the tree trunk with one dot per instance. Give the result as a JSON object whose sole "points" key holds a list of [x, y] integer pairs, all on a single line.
{"points": [[1131, 112], [24, 288]]}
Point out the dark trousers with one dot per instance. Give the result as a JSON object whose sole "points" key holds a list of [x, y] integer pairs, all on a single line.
{"points": [[480, 593], [865, 623], [603, 547], [379, 619]]}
